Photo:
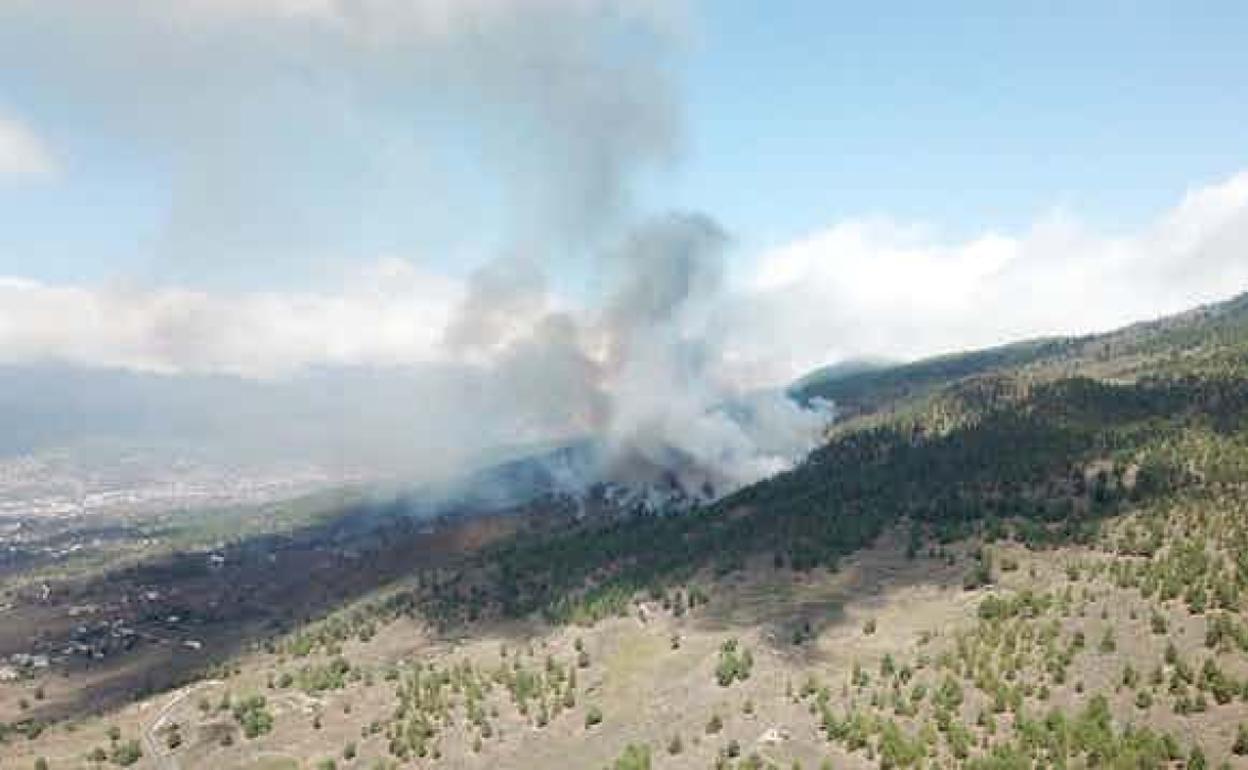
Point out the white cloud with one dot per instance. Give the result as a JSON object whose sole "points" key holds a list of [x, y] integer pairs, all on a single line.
{"points": [[22, 152], [884, 288], [391, 314]]}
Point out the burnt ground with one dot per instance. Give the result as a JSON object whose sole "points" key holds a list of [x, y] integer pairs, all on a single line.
{"points": [[123, 634]]}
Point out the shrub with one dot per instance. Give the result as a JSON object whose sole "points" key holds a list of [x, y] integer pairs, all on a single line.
{"points": [[593, 717], [126, 754], [1240, 747], [634, 757], [1158, 623], [252, 716], [1108, 643]]}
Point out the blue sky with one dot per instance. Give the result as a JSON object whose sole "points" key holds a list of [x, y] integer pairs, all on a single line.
{"points": [[965, 115], [797, 115]]}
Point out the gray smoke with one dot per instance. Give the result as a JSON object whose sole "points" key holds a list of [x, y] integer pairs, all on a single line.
{"points": [[558, 107], [636, 371]]}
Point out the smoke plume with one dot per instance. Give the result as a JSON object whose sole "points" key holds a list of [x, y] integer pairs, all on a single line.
{"points": [[636, 371], [273, 117]]}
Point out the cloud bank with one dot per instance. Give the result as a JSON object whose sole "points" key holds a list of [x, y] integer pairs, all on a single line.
{"points": [[871, 287], [389, 313], [878, 287]]}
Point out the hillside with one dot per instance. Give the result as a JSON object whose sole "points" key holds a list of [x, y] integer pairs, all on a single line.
{"points": [[1031, 556], [1198, 340]]}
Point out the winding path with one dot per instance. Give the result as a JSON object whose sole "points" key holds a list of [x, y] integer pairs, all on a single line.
{"points": [[152, 746]]}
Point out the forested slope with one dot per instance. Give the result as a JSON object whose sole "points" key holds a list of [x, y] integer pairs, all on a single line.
{"points": [[1051, 436]]}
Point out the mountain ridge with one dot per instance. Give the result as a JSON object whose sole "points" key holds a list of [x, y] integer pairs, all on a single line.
{"points": [[1108, 353]]}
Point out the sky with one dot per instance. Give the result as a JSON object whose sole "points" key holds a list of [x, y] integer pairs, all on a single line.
{"points": [[968, 116], [259, 188]]}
